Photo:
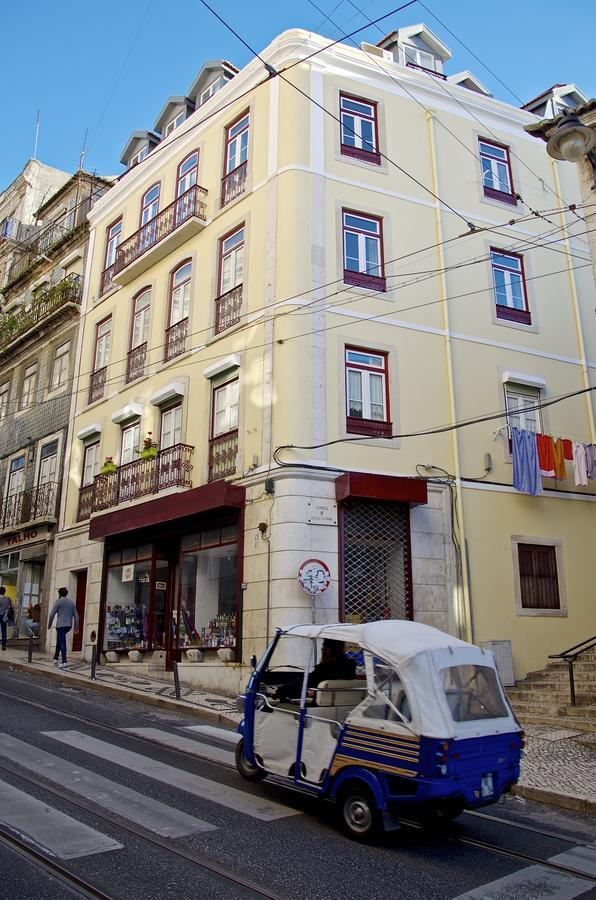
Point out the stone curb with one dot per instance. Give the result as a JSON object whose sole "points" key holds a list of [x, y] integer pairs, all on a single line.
{"points": [[565, 801], [125, 692]]}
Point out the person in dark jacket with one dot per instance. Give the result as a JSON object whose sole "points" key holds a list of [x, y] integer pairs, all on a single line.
{"points": [[65, 613], [6, 614]]}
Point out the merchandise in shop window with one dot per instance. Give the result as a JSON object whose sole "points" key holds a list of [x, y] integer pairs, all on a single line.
{"points": [[126, 626], [221, 632]]}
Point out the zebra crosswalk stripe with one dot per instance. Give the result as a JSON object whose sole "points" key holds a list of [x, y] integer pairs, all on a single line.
{"points": [[144, 811], [178, 742], [48, 828], [250, 804]]}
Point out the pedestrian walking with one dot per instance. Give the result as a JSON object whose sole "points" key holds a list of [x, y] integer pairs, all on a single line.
{"points": [[6, 614], [65, 613]]}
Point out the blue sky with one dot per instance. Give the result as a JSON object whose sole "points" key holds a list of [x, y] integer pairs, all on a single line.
{"points": [[107, 68]]}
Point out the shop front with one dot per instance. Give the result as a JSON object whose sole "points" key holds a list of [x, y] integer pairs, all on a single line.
{"points": [[173, 583], [24, 566]]}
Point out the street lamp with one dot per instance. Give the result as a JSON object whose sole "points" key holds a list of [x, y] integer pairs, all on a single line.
{"points": [[571, 140]]}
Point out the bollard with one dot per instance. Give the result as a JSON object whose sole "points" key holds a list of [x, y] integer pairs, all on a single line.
{"points": [[93, 661], [30, 648], [177, 682]]}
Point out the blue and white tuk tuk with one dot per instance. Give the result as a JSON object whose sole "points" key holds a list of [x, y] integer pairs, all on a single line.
{"points": [[423, 729]]}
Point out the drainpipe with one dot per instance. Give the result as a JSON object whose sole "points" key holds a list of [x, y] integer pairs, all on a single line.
{"points": [[462, 588], [576, 309]]}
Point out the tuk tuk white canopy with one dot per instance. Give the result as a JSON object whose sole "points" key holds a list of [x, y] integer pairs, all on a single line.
{"points": [[419, 653]]}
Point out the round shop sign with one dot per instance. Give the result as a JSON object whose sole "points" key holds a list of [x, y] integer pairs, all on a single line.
{"points": [[314, 577]]}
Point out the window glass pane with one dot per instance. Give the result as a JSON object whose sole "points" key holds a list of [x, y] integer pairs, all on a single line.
{"points": [[372, 256], [487, 173], [490, 150], [352, 256], [208, 597], [182, 273], [390, 701], [237, 128], [516, 291], [355, 394], [127, 611], [500, 289], [377, 400], [472, 693], [365, 359], [348, 135], [367, 130], [503, 176], [364, 109], [510, 262], [361, 224]]}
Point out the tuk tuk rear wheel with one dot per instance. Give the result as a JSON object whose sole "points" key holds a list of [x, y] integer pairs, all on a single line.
{"points": [[248, 771], [359, 817]]}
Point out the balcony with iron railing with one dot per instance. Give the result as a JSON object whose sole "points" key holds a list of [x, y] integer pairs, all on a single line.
{"points": [[175, 342], [233, 184], [227, 309], [45, 240], [135, 362], [135, 480], [35, 504], [223, 451], [15, 326], [170, 228]]}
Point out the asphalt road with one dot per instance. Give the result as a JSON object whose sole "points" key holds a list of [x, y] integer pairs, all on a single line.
{"points": [[60, 777]]}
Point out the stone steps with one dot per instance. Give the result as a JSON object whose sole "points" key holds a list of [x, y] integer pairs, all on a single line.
{"points": [[568, 722]]}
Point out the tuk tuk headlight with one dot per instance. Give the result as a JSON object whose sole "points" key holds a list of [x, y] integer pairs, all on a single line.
{"points": [[240, 703]]}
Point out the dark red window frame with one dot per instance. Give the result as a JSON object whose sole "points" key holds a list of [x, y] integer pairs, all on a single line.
{"points": [[171, 286], [493, 193], [150, 188], [96, 343], [363, 279], [521, 316], [186, 158], [370, 156], [108, 229], [538, 576], [368, 427], [143, 290]]}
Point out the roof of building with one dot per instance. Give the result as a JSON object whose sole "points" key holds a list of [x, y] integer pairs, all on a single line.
{"points": [[208, 66], [149, 136], [545, 127], [410, 31], [81, 174], [167, 109]]}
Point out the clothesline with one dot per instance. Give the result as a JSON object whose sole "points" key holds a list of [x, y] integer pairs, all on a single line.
{"points": [[537, 456]]}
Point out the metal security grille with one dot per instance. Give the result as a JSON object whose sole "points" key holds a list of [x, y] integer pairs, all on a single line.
{"points": [[376, 564]]}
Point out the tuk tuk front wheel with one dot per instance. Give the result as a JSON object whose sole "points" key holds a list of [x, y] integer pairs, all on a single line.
{"points": [[248, 771], [359, 816]]}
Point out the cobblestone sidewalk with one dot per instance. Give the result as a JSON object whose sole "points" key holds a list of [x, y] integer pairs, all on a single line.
{"points": [[556, 768]]}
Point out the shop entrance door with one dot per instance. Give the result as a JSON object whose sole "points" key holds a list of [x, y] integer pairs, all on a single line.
{"points": [[77, 639]]}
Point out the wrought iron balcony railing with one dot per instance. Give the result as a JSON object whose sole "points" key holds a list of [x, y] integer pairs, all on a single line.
{"points": [[233, 184], [223, 451], [14, 325], [227, 309], [175, 342], [140, 478], [27, 506], [135, 362], [97, 384], [188, 205]]}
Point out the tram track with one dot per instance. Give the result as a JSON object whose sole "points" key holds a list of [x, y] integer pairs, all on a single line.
{"points": [[462, 839], [75, 883]]}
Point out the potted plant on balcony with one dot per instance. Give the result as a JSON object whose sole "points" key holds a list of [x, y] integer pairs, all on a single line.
{"points": [[149, 448], [108, 467]]}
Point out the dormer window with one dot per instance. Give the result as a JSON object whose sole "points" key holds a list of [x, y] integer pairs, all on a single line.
{"points": [[139, 157], [174, 123], [419, 58]]}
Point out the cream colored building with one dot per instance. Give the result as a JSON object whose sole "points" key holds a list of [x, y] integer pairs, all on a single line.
{"points": [[283, 296]]}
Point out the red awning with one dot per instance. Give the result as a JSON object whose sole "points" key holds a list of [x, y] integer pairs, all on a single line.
{"points": [[381, 487], [218, 495]]}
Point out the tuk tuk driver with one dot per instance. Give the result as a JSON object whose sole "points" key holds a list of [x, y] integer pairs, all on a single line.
{"points": [[334, 665]]}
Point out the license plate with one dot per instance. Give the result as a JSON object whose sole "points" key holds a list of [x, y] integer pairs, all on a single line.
{"points": [[486, 786]]}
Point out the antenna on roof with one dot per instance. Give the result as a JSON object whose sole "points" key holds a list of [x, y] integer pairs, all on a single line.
{"points": [[82, 156], [36, 136]]}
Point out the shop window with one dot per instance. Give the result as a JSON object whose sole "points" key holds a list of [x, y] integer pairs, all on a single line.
{"points": [[137, 585], [30, 605], [208, 613], [9, 570]]}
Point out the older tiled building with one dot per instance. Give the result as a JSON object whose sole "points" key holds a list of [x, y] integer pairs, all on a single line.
{"points": [[292, 298], [42, 254]]}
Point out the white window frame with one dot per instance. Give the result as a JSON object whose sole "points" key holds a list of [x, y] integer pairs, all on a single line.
{"points": [[129, 442], [60, 366], [355, 132], [180, 290], [150, 208], [112, 242], [493, 160], [232, 260], [187, 179], [139, 156], [230, 392], [140, 319], [237, 148], [213, 88], [20, 481], [170, 431], [28, 386], [423, 58], [41, 475], [90, 463], [376, 367], [174, 123], [518, 398]]}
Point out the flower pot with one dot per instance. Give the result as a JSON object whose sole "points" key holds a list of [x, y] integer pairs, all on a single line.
{"points": [[148, 453], [108, 469]]}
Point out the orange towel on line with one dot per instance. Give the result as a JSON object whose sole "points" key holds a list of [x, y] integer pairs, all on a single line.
{"points": [[559, 454], [546, 455]]}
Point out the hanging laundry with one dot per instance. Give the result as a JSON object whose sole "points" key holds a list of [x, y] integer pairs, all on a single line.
{"points": [[546, 455], [559, 454], [526, 474], [580, 467], [591, 460], [567, 448]]}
